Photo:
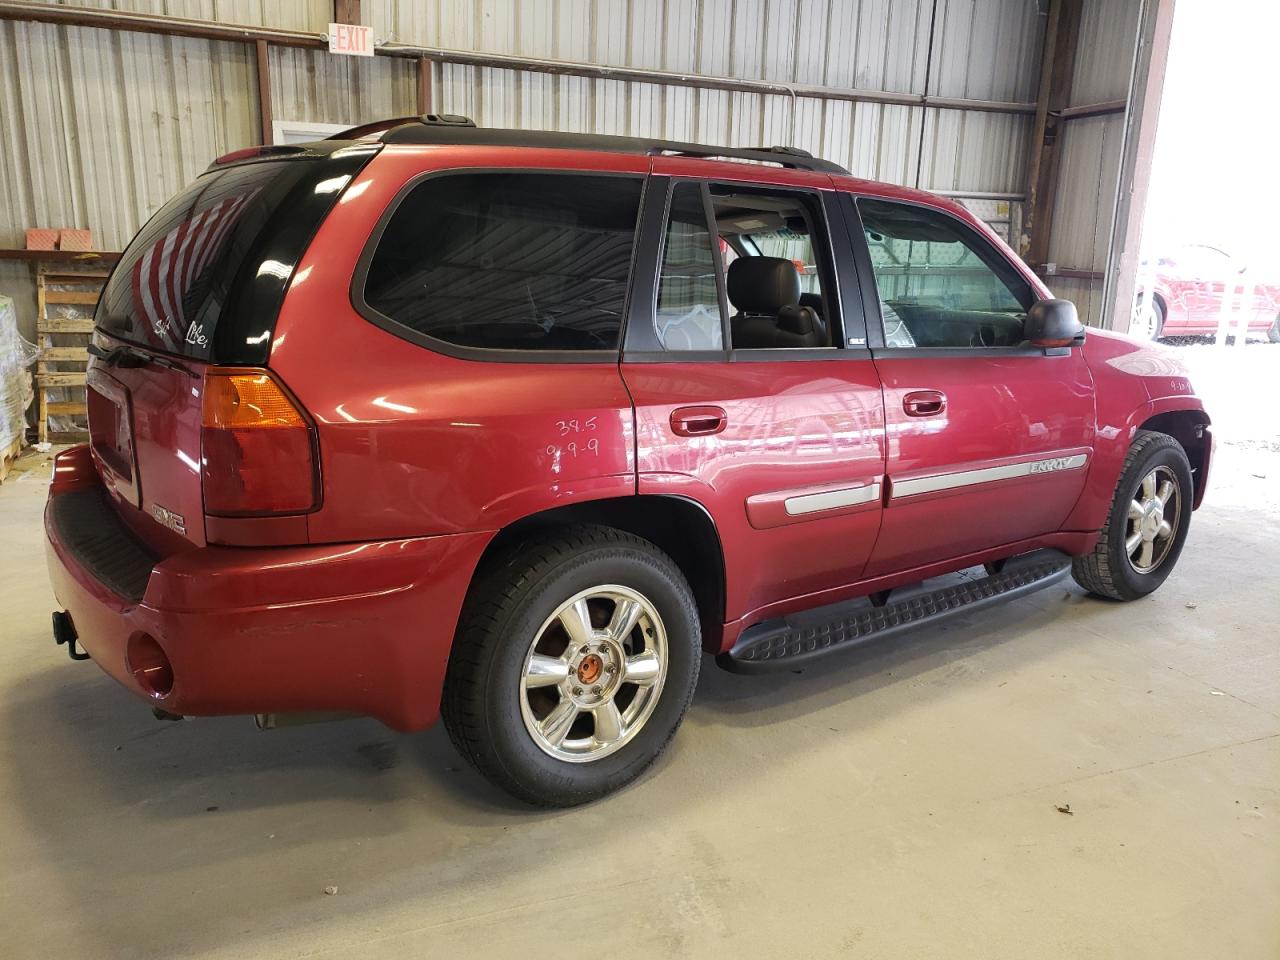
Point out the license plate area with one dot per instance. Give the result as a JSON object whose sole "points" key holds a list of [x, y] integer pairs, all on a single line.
{"points": [[111, 434]]}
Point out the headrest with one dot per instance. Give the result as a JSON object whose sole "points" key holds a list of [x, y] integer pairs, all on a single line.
{"points": [[763, 284]]}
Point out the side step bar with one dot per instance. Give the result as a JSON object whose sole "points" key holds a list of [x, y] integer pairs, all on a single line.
{"points": [[798, 639]]}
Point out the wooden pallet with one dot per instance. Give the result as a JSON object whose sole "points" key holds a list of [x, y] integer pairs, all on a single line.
{"points": [[9, 455], [63, 366]]}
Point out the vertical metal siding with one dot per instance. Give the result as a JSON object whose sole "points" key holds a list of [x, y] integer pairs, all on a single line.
{"points": [[1104, 56], [104, 126]]}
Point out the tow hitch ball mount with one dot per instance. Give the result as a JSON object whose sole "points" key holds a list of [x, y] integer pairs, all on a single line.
{"points": [[65, 632]]}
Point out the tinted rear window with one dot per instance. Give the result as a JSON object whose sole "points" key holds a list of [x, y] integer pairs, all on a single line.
{"points": [[509, 261], [205, 276]]}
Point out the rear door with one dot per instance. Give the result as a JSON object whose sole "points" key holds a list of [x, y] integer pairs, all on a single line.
{"points": [[201, 283], [989, 439], [782, 440]]}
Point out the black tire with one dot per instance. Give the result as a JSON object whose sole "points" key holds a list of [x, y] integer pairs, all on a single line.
{"points": [[510, 600], [1107, 571]]}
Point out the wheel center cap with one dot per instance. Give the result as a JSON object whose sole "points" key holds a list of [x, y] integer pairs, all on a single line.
{"points": [[589, 669], [1151, 522]]}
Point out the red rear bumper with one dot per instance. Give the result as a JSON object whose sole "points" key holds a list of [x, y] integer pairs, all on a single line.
{"points": [[363, 628]]}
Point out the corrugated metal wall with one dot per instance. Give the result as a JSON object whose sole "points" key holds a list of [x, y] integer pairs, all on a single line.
{"points": [[101, 127], [1084, 205]]}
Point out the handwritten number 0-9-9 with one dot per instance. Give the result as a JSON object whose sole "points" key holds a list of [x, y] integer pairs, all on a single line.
{"points": [[573, 448]]}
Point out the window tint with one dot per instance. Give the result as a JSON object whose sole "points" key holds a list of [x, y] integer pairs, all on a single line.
{"points": [[941, 284], [688, 313], [205, 276], [509, 261]]}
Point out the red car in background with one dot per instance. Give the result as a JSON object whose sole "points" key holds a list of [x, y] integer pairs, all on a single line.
{"points": [[1187, 294]]}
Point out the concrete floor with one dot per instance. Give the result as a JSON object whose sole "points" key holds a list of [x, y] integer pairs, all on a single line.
{"points": [[901, 803]]}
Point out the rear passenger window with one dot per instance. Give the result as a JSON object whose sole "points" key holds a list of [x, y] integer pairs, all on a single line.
{"points": [[775, 253], [769, 250], [509, 261]]}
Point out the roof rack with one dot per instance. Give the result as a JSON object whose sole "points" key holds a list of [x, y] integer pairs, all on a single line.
{"points": [[457, 130]]}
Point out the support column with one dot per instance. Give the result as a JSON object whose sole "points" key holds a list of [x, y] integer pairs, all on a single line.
{"points": [[264, 91], [1145, 93], [1057, 65]]}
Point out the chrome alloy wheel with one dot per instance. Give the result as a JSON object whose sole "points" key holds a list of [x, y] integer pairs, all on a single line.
{"points": [[593, 673], [1153, 520]]}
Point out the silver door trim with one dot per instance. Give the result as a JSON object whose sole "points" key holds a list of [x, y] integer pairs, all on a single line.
{"points": [[832, 499], [965, 478]]}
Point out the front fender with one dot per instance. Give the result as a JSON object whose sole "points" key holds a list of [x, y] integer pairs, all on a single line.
{"points": [[1134, 382]]}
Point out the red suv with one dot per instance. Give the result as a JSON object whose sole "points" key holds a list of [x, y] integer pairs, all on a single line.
{"points": [[512, 426]]}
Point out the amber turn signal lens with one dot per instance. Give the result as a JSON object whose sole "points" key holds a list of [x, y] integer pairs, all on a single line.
{"points": [[248, 400], [258, 450]]}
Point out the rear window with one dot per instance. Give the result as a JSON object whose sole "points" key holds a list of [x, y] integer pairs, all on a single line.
{"points": [[206, 275], [508, 261]]}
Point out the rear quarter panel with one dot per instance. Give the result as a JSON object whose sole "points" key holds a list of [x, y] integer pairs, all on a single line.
{"points": [[413, 442]]}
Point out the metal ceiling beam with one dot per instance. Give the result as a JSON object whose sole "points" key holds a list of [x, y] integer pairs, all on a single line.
{"points": [[1094, 109], [210, 30]]}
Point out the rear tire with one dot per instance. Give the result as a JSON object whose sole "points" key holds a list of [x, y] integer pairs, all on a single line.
{"points": [[1147, 524], [574, 662]]}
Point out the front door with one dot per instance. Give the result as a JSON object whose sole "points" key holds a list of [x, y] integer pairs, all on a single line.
{"points": [[748, 397], [989, 439]]}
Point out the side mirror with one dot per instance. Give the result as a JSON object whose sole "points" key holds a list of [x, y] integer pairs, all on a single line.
{"points": [[1053, 323]]}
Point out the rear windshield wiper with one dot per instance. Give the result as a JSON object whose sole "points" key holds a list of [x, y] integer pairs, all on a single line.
{"points": [[122, 356]]}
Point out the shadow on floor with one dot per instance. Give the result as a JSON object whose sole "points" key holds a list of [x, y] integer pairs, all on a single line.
{"points": [[212, 798]]}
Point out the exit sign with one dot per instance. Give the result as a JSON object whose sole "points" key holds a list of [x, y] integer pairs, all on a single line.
{"points": [[351, 39]]}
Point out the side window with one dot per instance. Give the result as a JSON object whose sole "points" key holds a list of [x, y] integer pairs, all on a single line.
{"points": [[509, 261], [688, 311], [775, 253], [941, 284]]}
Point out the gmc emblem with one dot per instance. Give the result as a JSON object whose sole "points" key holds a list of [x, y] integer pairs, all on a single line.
{"points": [[167, 518]]}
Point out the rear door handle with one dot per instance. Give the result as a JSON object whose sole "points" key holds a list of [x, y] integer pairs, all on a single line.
{"points": [[924, 403], [697, 421]]}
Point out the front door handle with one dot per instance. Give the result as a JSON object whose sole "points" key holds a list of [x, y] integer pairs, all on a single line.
{"points": [[924, 403], [697, 421]]}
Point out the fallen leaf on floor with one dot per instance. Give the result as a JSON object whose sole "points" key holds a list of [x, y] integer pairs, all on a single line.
{"points": [[1217, 693], [1065, 808], [330, 891], [1191, 606]]}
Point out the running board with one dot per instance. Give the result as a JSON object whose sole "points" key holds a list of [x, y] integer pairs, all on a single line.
{"points": [[799, 638]]}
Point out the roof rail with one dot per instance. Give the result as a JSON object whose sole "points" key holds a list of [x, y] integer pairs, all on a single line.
{"points": [[378, 126], [455, 130]]}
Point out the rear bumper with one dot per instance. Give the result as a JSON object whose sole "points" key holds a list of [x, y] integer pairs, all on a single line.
{"points": [[362, 628]]}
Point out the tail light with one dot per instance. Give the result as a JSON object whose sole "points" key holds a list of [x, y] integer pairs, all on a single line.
{"points": [[257, 447]]}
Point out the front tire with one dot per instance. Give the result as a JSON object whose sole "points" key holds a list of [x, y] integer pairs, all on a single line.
{"points": [[1148, 318], [575, 660], [1147, 525]]}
